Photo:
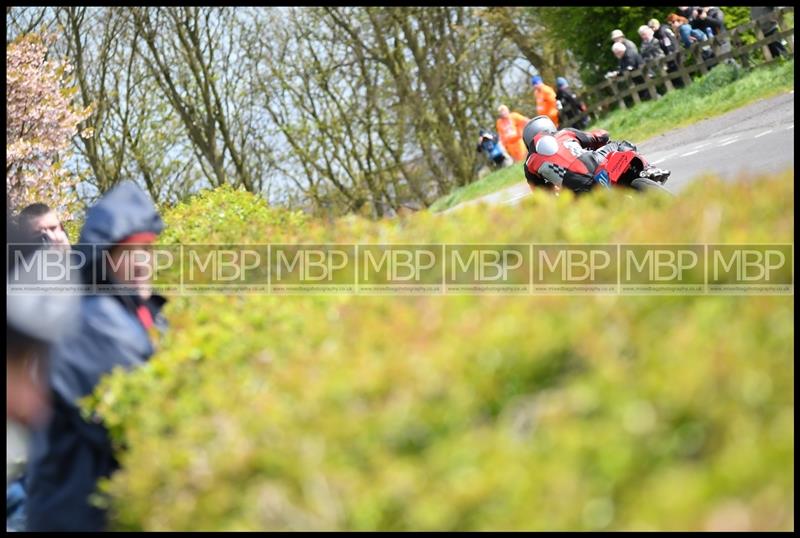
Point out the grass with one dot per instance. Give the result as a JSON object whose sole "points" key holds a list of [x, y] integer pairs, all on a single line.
{"points": [[495, 181], [722, 90]]}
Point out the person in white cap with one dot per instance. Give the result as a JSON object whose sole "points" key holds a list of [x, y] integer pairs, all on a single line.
{"points": [[618, 37]]}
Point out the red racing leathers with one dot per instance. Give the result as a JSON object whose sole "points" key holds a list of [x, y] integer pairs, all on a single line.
{"points": [[572, 165]]}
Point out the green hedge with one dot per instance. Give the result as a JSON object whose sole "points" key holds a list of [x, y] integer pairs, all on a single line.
{"points": [[468, 412]]}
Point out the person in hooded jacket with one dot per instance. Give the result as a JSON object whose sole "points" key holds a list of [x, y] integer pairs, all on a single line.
{"points": [[572, 108], [69, 454]]}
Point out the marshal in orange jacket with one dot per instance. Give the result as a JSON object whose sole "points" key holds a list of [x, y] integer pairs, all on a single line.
{"points": [[510, 131], [546, 101]]}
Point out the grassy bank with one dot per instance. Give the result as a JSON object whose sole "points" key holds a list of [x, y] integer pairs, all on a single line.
{"points": [[724, 89], [467, 412]]}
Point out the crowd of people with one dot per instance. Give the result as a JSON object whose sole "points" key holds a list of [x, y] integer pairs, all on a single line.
{"points": [[58, 347], [680, 30]]}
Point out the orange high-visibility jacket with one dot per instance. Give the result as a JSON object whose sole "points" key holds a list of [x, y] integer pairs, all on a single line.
{"points": [[510, 131], [546, 102]]}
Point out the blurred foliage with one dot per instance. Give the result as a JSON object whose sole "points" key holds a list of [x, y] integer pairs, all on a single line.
{"points": [[468, 412]]}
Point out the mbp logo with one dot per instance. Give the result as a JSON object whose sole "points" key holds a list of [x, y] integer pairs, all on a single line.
{"points": [[750, 267], [670, 268], [312, 268], [590, 268], [224, 268], [483, 268], [400, 268]]}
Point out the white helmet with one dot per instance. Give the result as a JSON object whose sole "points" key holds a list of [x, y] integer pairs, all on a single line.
{"points": [[547, 145], [535, 126]]}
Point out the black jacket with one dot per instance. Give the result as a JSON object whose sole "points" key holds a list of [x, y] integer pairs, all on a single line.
{"points": [[714, 20], [667, 39], [572, 107], [630, 61], [69, 454]]}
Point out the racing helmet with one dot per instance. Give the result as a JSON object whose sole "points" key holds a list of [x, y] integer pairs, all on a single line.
{"points": [[539, 124]]}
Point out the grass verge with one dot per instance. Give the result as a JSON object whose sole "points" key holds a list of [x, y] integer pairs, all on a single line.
{"points": [[724, 89]]}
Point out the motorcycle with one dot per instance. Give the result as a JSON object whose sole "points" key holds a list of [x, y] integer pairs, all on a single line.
{"points": [[629, 169]]}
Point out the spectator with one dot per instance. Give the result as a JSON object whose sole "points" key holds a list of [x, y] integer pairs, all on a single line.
{"points": [[669, 45], [651, 49], [69, 454], [680, 25], [767, 20], [509, 128], [545, 99], [40, 223], [34, 321], [618, 37], [490, 145], [709, 20], [629, 61], [572, 108]]}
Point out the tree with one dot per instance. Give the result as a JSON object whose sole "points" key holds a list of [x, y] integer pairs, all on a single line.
{"points": [[586, 33], [380, 106], [194, 56], [135, 134], [40, 122]]}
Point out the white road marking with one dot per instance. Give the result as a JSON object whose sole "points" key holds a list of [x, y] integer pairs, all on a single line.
{"points": [[790, 127], [728, 142], [690, 153], [728, 139], [762, 134], [519, 196], [661, 160], [704, 144]]}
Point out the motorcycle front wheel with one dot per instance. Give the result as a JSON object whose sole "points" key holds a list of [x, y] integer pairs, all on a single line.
{"points": [[643, 184]]}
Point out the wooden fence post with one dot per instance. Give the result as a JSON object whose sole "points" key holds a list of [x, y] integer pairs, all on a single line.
{"points": [[630, 84], [782, 27], [764, 48]]}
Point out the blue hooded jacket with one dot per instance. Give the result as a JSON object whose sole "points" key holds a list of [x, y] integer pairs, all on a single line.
{"points": [[69, 454]]}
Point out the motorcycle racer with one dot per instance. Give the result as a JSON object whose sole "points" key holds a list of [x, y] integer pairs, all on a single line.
{"points": [[569, 158]]}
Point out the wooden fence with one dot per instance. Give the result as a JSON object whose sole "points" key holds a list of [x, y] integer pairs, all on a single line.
{"points": [[654, 80]]}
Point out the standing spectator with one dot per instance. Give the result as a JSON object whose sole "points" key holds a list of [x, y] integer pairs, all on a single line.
{"points": [[767, 20], [41, 224], [509, 128], [545, 99], [572, 108], [490, 145], [629, 61], [618, 37], [34, 322], [69, 454], [651, 49], [669, 44]]}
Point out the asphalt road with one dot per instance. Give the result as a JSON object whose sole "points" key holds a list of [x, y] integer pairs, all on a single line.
{"points": [[758, 138]]}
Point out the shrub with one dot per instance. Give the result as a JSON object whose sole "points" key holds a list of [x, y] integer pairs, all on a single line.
{"points": [[467, 412]]}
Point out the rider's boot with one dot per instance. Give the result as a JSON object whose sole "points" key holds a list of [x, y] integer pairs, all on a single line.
{"points": [[656, 174]]}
